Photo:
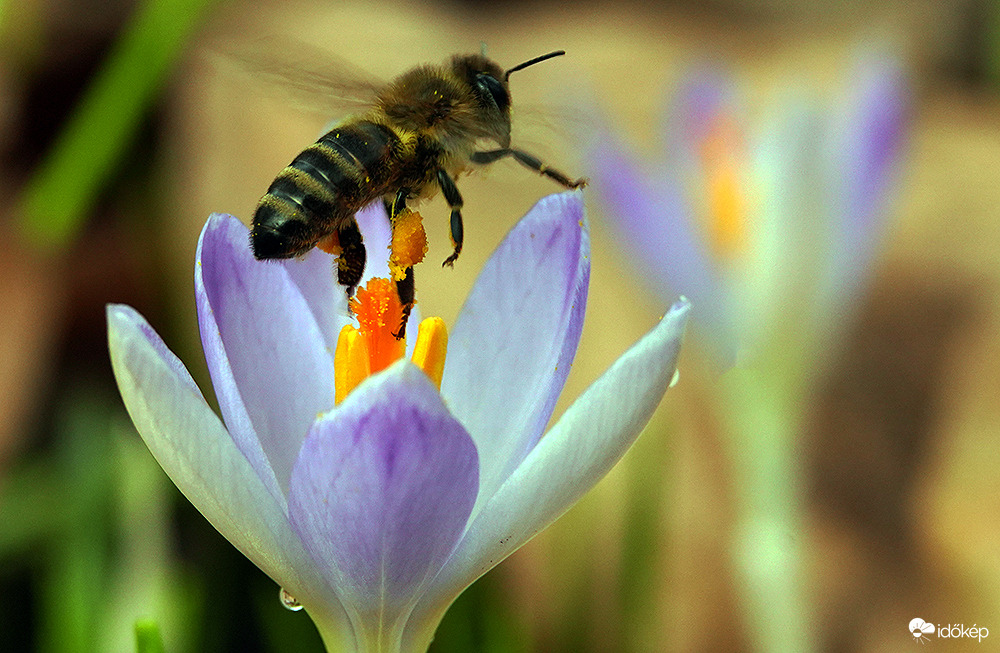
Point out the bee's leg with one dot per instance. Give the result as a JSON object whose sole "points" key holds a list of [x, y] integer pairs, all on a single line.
{"points": [[454, 199], [396, 205], [351, 262], [529, 161], [405, 287], [406, 290]]}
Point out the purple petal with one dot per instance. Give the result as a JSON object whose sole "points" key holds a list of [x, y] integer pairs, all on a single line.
{"points": [[656, 225], [268, 359], [315, 276], [871, 138], [586, 442], [189, 442], [515, 337], [698, 101], [374, 225], [382, 491]]}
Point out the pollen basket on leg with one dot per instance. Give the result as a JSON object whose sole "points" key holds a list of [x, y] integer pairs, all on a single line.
{"points": [[409, 243]]}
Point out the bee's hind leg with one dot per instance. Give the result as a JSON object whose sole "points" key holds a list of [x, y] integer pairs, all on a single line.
{"points": [[405, 287], [454, 199], [406, 290], [351, 262]]}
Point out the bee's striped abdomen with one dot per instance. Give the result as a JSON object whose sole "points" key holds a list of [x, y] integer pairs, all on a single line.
{"points": [[324, 186]]}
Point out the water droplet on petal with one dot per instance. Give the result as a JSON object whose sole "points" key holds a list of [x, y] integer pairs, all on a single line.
{"points": [[675, 378], [289, 601]]}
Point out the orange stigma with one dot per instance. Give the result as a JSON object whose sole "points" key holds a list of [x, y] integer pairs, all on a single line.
{"points": [[372, 347]]}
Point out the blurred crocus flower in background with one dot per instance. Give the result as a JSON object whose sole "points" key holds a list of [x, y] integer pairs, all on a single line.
{"points": [[373, 498], [767, 225], [770, 227]]}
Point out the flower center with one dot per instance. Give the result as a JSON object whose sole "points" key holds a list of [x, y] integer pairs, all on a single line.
{"points": [[724, 193], [372, 347]]}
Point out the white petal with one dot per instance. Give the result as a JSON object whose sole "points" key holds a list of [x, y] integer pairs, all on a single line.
{"points": [[189, 441], [586, 442], [516, 335]]}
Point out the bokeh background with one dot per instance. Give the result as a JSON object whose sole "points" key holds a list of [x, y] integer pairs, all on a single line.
{"points": [[122, 127]]}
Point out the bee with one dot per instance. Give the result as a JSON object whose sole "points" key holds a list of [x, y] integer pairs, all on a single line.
{"points": [[424, 128]]}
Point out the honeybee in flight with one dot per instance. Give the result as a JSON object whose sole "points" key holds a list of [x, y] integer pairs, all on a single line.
{"points": [[424, 128]]}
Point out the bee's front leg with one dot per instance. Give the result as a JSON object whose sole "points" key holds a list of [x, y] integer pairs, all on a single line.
{"points": [[454, 199], [529, 161]]}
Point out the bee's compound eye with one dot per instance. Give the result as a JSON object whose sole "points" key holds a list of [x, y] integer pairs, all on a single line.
{"points": [[491, 88]]}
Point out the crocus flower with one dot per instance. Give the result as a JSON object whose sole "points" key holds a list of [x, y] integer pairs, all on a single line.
{"points": [[374, 491], [767, 226]]}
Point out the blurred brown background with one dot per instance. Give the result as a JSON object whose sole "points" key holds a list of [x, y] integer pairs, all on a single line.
{"points": [[901, 447]]}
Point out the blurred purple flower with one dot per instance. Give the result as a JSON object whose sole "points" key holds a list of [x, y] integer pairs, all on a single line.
{"points": [[759, 224], [376, 513]]}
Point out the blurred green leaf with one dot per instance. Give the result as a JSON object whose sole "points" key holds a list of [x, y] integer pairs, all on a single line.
{"points": [[647, 483], [147, 637], [481, 619], [993, 43], [71, 592], [31, 502], [283, 629], [62, 191]]}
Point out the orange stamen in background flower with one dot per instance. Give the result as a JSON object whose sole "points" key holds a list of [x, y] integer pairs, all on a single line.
{"points": [[724, 193], [409, 243], [371, 347]]}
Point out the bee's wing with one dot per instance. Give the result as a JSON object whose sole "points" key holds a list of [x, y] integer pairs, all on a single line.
{"points": [[545, 127], [307, 76]]}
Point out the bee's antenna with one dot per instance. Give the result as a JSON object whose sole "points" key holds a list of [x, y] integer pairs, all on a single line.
{"points": [[532, 62]]}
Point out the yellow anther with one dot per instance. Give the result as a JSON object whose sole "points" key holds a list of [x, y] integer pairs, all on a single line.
{"points": [[351, 364], [430, 348]]}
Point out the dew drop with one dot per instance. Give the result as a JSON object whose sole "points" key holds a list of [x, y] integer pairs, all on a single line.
{"points": [[675, 378], [289, 601]]}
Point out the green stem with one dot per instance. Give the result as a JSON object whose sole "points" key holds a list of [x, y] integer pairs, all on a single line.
{"points": [[58, 197], [763, 423]]}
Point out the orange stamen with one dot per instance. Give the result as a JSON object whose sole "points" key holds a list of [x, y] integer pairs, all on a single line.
{"points": [[430, 349], [330, 244], [351, 365]]}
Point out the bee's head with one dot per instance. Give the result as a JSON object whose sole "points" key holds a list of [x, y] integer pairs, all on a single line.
{"points": [[489, 82], [489, 85]]}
